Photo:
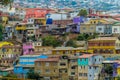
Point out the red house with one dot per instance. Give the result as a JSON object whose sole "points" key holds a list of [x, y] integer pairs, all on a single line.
{"points": [[37, 12]]}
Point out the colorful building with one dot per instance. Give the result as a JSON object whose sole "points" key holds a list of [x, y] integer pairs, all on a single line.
{"points": [[36, 13], [48, 68], [26, 62], [66, 50], [89, 66], [28, 48], [103, 45], [116, 28], [104, 29], [88, 28]]}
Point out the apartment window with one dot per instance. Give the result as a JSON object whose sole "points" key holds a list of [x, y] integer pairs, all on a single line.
{"points": [[38, 64], [99, 29], [89, 67], [115, 29], [85, 74], [72, 73], [95, 60], [47, 71], [47, 64], [55, 64], [73, 67], [80, 74], [84, 28], [62, 64], [85, 59]]}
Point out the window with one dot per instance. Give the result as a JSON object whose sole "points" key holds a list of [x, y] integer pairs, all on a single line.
{"points": [[38, 64], [47, 64], [85, 59], [62, 64], [95, 60], [72, 73], [84, 28], [73, 67], [89, 67], [85, 74], [80, 74], [47, 71], [115, 29], [99, 29]]}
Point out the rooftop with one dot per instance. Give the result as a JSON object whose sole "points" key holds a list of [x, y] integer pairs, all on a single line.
{"points": [[48, 60], [86, 55], [104, 38]]}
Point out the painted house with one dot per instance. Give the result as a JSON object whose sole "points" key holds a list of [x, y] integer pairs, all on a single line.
{"points": [[66, 50], [73, 28], [28, 48], [89, 66], [103, 45], [48, 68], [26, 62], [31, 28], [104, 29], [88, 28], [116, 28]]}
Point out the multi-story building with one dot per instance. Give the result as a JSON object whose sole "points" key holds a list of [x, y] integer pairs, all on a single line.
{"points": [[66, 50], [31, 28], [63, 68], [104, 29], [10, 51], [48, 68], [116, 28], [28, 48], [104, 45], [89, 66], [73, 68], [36, 13], [26, 62], [88, 28]]}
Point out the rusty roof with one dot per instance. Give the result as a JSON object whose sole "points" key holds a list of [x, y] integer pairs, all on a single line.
{"points": [[47, 60], [86, 55]]}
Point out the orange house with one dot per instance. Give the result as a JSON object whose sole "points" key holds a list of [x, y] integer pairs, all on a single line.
{"points": [[37, 12]]}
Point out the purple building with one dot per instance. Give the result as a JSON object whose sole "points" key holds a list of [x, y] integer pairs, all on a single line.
{"points": [[28, 48], [78, 19]]}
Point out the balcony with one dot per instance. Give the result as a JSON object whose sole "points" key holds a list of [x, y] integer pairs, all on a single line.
{"points": [[20, 28]]}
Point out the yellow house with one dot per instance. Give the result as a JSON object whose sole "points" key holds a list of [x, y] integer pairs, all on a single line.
{"points": [[21, 26], [5, 43], [68, 50], [104, 45], [97, 21], [4, 20], [41, 21]]}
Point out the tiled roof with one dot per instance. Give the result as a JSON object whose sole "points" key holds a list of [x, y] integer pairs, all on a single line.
{"points": [[86, 55], [104, 38], [48, 60]]}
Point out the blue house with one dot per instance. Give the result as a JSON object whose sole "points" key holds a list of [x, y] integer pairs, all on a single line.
{"points": [[26, 63], [89, 66]]}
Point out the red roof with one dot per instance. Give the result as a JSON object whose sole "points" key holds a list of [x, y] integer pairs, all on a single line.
{"points": [[92, 15], [117, 19], [48, 60], [86, 55]]}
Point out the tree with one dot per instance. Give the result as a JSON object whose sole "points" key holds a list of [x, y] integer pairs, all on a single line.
{"points": [[71, 43], [1, 32], [82, 12], [5, 2], [11, 75], [32, 75], [109, 70], [51, 41]]}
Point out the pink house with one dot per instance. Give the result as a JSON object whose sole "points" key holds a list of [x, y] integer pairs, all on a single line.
{"points": [[28, 48]]}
